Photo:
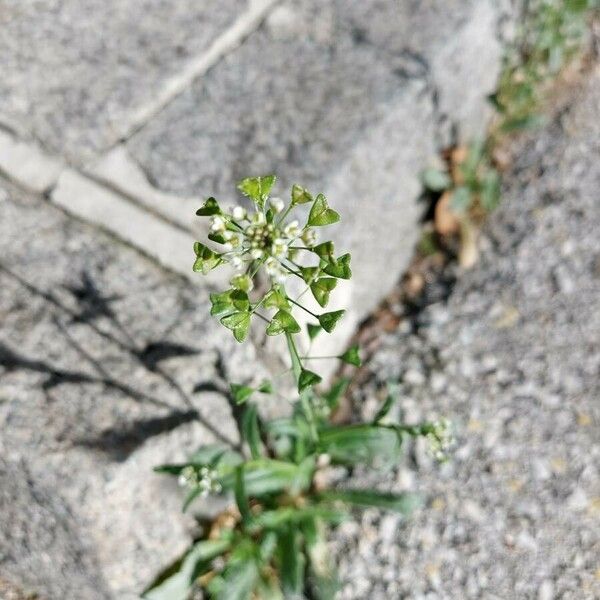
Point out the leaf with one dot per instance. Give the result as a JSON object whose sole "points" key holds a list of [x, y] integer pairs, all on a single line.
{"points": [[209, 208], [251, 431], [292, 562], [402, 503], [385, 408], [341, 268], [294, 515], [323, 580], [242, 282], [325, 251], [221, 303], [275, 298], [321, 288], [240, 393], [240, 300], [239, 323], [240, 495], [354, 444], [175, 583], [206, 259], [352, 356], [309, 273], [329, 320], [490, 191], [264, 476], [257, 188], [237, 582], [337, 390], [436, 180], [307, 379], [282, 322], [313, 330], [320, 213], [217, 237], [300, 195], [460, 200], [266, 387]]}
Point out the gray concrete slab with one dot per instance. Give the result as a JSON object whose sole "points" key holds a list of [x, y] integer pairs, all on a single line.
{"points": [[102, 360], [73, 71]]}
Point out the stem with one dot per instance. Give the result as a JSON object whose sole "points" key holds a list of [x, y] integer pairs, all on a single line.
{"points": [[284, 214], [303, 308], [305, 395], [317, 357]]}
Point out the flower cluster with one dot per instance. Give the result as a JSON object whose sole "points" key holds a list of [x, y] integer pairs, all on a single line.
{"points": [[440, 439], [203, 479]]}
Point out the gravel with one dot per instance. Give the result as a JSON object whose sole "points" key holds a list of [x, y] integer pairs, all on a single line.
{"points": [[513, 359]]}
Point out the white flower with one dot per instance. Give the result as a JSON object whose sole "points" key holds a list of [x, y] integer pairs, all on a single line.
{"points": [[237, 262], [279, 248], [217, 224], [292, 230], [277, 204], [256, 253], [259, 218], [239, 213], [309, 237]]}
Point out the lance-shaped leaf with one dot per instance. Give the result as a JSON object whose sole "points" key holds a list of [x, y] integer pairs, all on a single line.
{"points": [[307, 379], [282, 322], [329, 320], [436, 180], [175, 583], [257, 188], [361, 444], [251, 430], [239, 491], [300, 195], [339, 269], [292, 562], [352, 356], [209, 208], [206, 259], [402, 503], [239, 323], [321, 288], [264, 476], [320, 213]]}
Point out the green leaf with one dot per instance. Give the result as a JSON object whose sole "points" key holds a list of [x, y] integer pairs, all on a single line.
{"points": [[460, 200], [402, 503], [206, 259], [257, 188], [325, 251], [313, 330], [352, 356], [337, 390], [341, 268], [240, 393], [264, 476], [275, 298], [175, 582], [237, 582], [385, 407], [300, 195], [209, 208], [221, 303], [240, 300], [239, 323], [242, 282], [323, 580], [217, 237], [266, 387], [251, 430], [288, 515], [490, 191], [309, 273], [282, 322], [436, 180], [355, 444], [307, 379], [321, 288], [329, 320], [292, 562], [320, 213], [240, 495]]}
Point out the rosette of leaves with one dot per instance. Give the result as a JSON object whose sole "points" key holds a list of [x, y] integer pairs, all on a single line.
{"points": [[271, 542]]}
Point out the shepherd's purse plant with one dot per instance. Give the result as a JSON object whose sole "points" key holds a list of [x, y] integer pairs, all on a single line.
{"points": [[271, 542]]}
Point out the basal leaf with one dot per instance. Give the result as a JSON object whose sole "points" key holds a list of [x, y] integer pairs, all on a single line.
{"points": [[251, 431], [329, 320], [402, 503], [320, 213]]}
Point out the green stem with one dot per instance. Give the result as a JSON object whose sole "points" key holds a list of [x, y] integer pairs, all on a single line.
{"points": [[284, 214], [303, 308], [305, 395]]}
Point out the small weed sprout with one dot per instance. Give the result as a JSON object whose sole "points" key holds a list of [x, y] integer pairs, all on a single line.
{"points": [[272, 543]]}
